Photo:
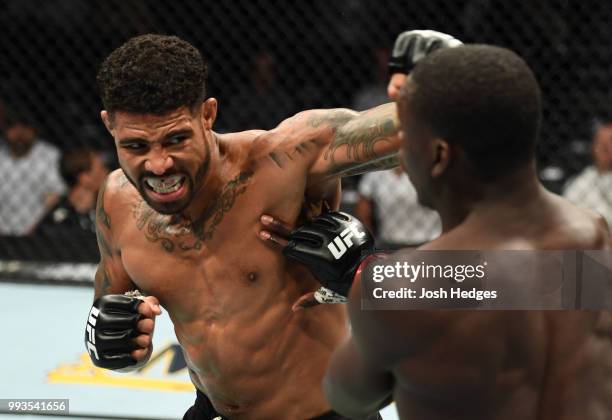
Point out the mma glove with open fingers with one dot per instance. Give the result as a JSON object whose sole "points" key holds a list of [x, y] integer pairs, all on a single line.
{"points": [[332, 246], [412, 46], [111, 326]]}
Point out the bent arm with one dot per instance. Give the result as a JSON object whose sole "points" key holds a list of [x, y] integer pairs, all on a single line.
{"points": [[366, 142], [111, 277], [351, 142]]}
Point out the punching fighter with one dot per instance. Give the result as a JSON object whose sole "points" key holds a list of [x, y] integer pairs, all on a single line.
{"points": [[177, 226], [469, 120]]}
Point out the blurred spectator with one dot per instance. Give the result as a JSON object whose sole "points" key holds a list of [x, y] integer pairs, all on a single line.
{"points": [[388, 205], [84, 172], [262, 103], [592, 188], [374, 93], [30, 178]]}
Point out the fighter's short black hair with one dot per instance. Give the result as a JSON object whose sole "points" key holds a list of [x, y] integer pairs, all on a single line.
{"points": [[152, 74], [483, 98]]}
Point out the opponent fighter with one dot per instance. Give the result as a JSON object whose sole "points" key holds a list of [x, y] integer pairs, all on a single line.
{"points": [[469, 122], [178, 222]]}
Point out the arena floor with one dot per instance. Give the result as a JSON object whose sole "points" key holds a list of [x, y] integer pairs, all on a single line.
{"points": [[44, 357]]}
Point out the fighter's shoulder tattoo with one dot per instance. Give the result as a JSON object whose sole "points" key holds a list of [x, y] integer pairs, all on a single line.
{"points": [[122, 181], [176, 233]]}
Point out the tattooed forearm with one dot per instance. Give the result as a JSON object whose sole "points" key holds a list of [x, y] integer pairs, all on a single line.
{"points": [[359, 142], [360, 135], [378, 164], [334, 118]]}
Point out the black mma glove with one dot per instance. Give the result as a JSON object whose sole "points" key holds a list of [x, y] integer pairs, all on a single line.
{"points": [[111, 325], [332, 246], [412, 46]]}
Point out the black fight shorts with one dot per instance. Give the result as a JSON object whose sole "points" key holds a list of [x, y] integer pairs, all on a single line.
{"points": [[203, 409]]}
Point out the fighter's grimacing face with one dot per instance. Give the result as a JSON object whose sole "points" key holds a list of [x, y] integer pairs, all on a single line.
{"points": [[164, 156]]}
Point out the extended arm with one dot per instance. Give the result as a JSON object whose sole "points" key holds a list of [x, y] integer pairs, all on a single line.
{"points": [[354, 142], [111, 277]]}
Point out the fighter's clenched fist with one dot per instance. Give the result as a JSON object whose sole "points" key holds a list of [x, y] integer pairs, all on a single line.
{"points": [[119, 330]]}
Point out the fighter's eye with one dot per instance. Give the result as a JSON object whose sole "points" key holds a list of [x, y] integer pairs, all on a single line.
{"points": [[134, 146], [172, 141]]}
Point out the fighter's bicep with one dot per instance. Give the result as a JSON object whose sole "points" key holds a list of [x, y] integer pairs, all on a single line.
{"points": [[111, 276]]}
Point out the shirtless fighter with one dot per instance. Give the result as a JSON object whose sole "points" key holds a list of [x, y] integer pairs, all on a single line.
{"points": [[179, 223], [469, 122]]}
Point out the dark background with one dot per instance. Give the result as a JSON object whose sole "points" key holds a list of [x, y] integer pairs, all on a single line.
{"points": [[322, 53]]}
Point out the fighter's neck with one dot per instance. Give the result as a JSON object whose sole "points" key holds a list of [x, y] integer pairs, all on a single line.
{"points": [[216, 174], [493, 201]]}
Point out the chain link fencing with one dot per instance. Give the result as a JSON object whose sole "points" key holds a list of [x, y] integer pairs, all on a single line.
{"points": [[267, 60]]}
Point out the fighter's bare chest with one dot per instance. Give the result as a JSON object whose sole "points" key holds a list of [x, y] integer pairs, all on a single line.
{"points": [[166, 255]]}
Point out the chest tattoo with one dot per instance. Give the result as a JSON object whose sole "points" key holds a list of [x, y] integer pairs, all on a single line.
{"points": [[180, 234]]}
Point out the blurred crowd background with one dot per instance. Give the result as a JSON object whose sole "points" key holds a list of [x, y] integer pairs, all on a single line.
{"points": [[269, 59]]}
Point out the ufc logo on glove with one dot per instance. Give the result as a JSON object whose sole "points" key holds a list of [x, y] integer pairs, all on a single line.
{"points": [[343, 241], [91, 332]]}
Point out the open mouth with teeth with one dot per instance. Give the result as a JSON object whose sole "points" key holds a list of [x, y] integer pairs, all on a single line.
{"points": [[165, 188]]}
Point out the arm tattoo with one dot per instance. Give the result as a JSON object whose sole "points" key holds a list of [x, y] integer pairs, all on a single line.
{"points": [[334, 119], [378, 164], [123, 181], [358, 134], [102, 282], [360, 137], [101, 214], [102, 219], [181, 234]]}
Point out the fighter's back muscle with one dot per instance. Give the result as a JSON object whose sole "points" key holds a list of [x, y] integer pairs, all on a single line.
{"points": [[520, 362]]}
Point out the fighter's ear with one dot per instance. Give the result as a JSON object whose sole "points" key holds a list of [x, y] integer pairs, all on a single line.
{"points": [[441, 157], [107, 120], [209, 113]]}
